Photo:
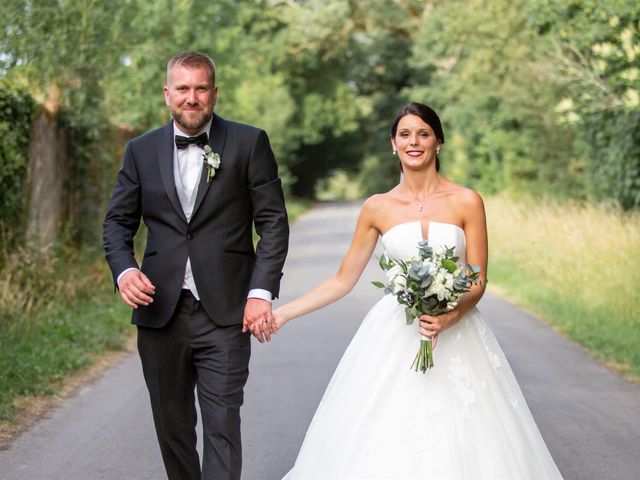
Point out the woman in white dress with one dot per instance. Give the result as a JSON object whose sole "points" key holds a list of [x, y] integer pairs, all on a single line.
{"points": [[378, 419]]}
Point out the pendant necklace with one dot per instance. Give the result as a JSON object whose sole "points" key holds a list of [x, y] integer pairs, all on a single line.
{"points": [[421, 206]]}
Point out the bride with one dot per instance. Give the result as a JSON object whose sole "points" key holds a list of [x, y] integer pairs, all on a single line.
{"points": [[464, 418]]}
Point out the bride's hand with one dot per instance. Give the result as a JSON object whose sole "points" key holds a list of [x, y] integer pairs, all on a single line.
{"points": [[432, 326], [279, 320]]}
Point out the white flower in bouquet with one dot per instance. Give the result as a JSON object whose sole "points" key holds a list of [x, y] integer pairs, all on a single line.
{"points": [[399, 284], [393, 272]]}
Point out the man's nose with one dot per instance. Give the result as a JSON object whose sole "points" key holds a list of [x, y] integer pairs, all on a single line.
{"points": [[191, 97]]}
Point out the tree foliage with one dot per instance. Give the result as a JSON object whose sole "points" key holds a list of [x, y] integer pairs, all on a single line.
{"points": [[16, 114], [539, 96], [595, 57]]}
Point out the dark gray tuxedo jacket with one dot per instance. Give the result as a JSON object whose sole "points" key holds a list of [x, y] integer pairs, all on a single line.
{"points": [[218, 238]]}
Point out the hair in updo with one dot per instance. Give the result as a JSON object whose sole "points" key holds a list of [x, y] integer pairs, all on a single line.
{"points": [[428, 116]]}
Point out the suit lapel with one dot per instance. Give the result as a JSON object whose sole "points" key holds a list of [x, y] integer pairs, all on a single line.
{"points": [[165, 158], [217, 138]]}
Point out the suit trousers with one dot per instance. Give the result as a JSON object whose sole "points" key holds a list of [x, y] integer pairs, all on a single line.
{"points": [[192, 352]]}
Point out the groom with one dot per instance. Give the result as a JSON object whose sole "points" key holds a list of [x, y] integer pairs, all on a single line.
{"points": [[201, 287]]}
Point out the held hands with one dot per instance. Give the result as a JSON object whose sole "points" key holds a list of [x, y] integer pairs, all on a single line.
{"points": [[431, 327], [263, 330], [258, 319], [280, 319], [136, 288]]}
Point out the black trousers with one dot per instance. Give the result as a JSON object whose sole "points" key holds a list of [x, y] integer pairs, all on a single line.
{"points": [[192, 351]]}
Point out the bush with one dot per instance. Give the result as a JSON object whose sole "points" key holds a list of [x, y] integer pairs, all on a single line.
{"points": [[17, 109]]}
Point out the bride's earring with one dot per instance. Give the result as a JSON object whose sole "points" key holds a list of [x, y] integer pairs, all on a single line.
{"points": [[437, 150], [393, 152]]}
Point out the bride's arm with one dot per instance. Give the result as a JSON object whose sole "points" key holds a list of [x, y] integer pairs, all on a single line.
{"points": [[334, 288], [475, 229]]}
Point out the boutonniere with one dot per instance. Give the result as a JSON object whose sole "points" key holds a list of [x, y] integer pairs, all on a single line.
{"points": [[211, 161]]}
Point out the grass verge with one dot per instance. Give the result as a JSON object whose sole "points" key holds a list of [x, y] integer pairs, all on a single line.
{"points": [[58, 316], [37, 355], [573, 265]]}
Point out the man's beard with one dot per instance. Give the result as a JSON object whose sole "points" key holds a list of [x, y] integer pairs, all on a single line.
{"points": [[191, 122]]}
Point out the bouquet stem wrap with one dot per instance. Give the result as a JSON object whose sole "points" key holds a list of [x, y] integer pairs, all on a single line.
{"points": [[424, 358]]}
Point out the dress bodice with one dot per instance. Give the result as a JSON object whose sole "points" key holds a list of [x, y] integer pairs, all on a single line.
{"points": [[401, 241]]}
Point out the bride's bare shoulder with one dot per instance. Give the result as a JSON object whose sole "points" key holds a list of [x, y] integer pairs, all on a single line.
{"points": [[376, 208], [381, 201], [465, 201], [463, 196]]}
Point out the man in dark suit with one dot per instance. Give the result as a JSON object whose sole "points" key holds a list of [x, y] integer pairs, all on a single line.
{"points": [[198, 183]]}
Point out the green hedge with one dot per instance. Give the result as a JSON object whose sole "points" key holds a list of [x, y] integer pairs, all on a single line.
{"points": [[17, 109]]}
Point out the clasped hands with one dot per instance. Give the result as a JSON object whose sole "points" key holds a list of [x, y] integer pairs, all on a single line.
{"points": [[258, 319], [261, 321]]}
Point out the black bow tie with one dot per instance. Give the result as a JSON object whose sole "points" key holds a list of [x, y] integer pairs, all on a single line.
{"points": [[184, 142]]}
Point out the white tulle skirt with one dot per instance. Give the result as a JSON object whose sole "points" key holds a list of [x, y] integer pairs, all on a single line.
{"points": [[465, 418]]}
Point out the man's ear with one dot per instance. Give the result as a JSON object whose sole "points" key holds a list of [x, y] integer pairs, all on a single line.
{"points": [[166, 95]]}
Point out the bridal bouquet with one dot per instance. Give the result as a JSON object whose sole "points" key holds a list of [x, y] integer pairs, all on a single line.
{"points": [[430, 283]]}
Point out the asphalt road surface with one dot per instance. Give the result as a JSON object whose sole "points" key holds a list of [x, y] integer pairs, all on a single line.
{"points": [[589, 417]]}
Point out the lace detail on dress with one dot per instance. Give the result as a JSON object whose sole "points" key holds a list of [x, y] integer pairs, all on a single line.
{"points": [[494, 358], [460, 376]]}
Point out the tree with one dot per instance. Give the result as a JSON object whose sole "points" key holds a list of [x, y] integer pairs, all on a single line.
{"points": [[60, 51], [595, 47]]}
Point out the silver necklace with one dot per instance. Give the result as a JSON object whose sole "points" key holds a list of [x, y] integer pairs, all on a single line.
{"points": [[421, 205]]}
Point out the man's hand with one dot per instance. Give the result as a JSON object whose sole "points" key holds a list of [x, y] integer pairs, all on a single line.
{"points": [[136, 288], [258, 319]]}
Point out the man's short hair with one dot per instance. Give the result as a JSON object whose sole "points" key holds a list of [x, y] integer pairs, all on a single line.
{"points": [[193, 60]]}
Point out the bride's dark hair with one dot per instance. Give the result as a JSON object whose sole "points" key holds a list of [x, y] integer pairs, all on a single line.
{"points": [[428, 116]]}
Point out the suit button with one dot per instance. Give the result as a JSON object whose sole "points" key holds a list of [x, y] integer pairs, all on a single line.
{"points": [[189, 236]]}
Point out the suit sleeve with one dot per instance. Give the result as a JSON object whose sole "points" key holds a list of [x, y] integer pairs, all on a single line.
{"points": [[269, 216], [123, 218]]}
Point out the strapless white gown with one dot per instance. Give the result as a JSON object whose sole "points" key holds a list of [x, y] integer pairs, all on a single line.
{"points": [[466, 418]]}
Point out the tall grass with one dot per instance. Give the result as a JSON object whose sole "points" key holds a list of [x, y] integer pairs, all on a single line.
{"points": [[576, 266], [57, 312]]}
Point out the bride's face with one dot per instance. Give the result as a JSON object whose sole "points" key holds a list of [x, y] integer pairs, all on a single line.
{"points": [[415, 142]]}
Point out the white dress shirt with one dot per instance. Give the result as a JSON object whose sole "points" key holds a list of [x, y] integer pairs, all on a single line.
{"points": [[187, 170]]}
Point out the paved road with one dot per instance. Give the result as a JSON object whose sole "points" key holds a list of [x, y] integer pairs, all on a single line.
{"points": [[589, 417]]}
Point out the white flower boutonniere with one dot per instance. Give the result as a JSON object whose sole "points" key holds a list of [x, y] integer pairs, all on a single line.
{"points": [[211, 161]]}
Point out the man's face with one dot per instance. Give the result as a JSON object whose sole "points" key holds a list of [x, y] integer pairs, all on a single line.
{"points": [[190, 96]]}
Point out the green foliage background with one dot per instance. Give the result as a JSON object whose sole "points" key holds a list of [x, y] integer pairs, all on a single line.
{"points": [[536, 95], [16, 114], [539, 96]]}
